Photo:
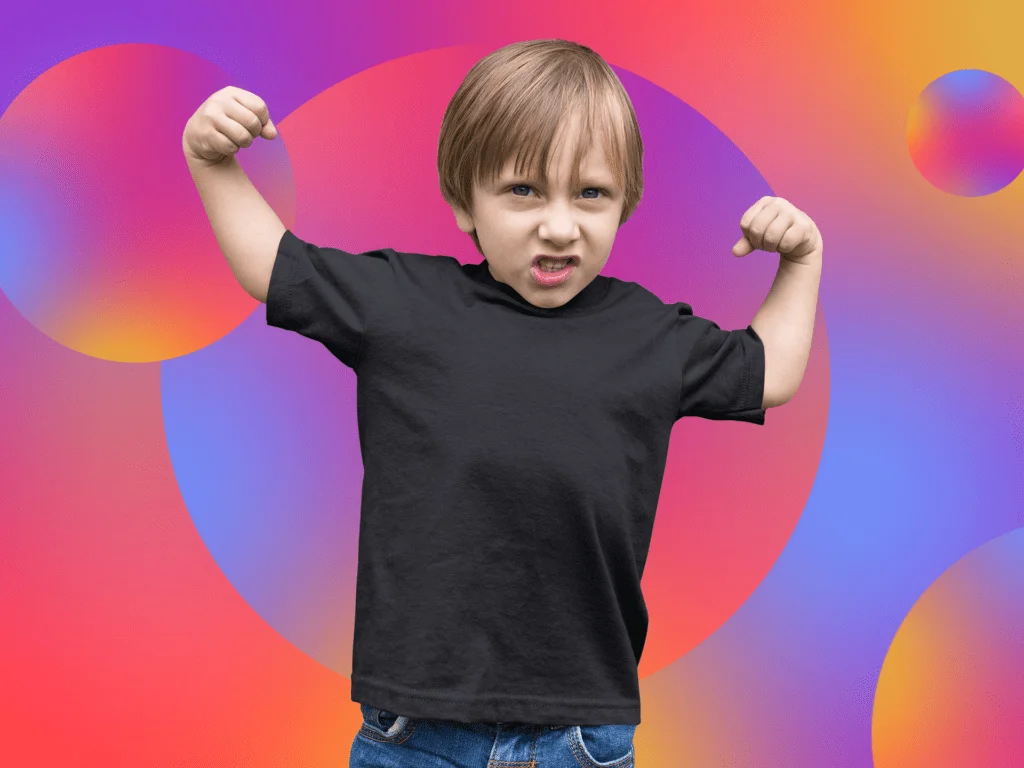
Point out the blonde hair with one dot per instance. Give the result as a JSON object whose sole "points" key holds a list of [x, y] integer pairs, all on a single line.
{"points": [[515, 100]]}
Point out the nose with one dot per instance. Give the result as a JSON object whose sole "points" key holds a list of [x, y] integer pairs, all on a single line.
{"points": [[558, 223]]}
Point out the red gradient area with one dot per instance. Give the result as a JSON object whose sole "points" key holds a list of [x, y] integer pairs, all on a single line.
{"points": [[131, 648]]}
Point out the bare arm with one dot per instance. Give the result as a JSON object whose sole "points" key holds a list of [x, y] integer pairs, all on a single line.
{"points": [[247, 229], [785, 323]]}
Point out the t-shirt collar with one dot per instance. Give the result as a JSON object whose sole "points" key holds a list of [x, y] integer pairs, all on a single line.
{"points": [[591, 296]]}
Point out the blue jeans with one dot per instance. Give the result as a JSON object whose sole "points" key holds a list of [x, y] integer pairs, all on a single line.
{"points": [[387, 740]]}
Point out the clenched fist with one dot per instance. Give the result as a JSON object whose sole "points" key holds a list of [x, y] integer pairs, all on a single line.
{"points": [[225, 123], [775, 224]]}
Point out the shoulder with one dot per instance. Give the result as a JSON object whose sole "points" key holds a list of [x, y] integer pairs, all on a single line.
{"points": [[423, 262], [639, 297], [419, 266], [420, 274]]}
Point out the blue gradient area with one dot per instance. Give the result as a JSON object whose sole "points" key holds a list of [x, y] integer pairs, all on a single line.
{"points": [[263, 439], [965, 88], [914, 476], [25, 278], [1002, 566]]}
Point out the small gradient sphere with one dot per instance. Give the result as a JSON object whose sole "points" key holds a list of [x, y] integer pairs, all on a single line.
{"points": [[107, 246], [966, 133], [951, 690]]}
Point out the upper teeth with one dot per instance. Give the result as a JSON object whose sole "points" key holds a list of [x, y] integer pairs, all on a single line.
{"points": [[553, 262]]}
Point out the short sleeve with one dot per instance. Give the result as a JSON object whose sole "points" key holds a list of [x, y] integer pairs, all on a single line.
{"points": [[723, 371], [328, 294]]}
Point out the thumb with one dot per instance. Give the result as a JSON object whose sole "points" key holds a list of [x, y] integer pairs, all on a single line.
{"points": [[742, 248], [269, 130]]}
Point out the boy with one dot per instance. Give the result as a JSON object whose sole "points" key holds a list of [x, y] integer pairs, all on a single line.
{"points": [[514, 414]]}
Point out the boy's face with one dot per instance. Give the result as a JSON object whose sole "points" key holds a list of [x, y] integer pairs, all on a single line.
{"points": [[518, 219]]}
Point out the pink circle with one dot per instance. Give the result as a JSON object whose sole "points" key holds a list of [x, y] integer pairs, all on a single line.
{"points": [[108, 249]]}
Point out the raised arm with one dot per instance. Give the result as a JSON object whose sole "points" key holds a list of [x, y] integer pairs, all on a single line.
{"points": [[246, 227], [785, 321]]}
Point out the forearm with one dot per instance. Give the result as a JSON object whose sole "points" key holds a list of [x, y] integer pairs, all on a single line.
{"points": [[247, 229], [785, 323]]}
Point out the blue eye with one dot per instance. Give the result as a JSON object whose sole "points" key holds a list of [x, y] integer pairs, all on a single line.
{"points": [[527, 186]]}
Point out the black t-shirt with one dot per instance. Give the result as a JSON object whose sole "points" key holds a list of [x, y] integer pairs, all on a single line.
{"points": [[513, 457]]}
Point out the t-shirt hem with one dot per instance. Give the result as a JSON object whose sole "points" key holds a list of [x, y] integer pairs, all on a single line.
{"points": [[538, 710], [754, 379], [279, 290]]}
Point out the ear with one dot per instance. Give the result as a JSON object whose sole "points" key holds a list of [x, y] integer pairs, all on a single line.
{"points": [[464, 220]]}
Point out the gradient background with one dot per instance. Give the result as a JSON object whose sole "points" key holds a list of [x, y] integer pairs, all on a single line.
{"points": [[179, 483]]}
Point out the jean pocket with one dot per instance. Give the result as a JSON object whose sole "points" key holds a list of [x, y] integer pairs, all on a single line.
{"points": [[602, 746], [381, 725]]}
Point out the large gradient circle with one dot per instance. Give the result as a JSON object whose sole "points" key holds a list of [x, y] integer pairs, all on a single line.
{"points": [[261, 426]]}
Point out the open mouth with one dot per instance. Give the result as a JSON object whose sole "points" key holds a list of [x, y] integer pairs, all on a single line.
{"points": [[553, 271], [554, 263]]}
